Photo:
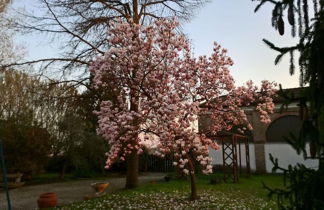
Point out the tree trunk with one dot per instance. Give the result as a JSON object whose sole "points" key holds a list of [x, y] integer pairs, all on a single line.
{"points": [[193, 195], [193, 184], [133, 159], [63, 169], [132, 171]]}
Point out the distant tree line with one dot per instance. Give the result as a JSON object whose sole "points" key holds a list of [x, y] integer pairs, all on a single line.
{"points": [[44, 125]]}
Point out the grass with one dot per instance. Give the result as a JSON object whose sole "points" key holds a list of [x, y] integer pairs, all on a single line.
{"points": [[248, 194]]}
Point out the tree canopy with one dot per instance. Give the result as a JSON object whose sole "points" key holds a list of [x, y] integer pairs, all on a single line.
{"points": [[160, 89]]}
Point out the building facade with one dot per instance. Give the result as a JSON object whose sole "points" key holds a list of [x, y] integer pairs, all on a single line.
{"points": [[269, 138]]}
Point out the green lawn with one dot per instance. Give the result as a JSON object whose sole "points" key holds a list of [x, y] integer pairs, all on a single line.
{"points": [[248, 194]]}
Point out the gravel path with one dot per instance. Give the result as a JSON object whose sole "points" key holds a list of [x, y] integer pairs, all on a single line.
{"points": [[25, 198]]}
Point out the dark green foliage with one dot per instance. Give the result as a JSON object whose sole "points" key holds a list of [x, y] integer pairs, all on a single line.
{"points": [[26, 148], [81, 150], [304, 189]]}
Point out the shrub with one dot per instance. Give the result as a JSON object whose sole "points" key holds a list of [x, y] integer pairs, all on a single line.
{"points": [[26, 148]]}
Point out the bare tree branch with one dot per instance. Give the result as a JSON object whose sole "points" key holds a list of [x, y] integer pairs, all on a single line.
{"points": [[44, 60], [81, 26], [70, 32]]}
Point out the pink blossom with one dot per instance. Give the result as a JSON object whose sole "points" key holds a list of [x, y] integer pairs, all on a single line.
{"points": [[159, 87], [186, 171]]}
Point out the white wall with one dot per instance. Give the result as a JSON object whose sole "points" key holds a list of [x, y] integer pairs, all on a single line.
{"points": [[217, 156], [286, 155], [284, 152]]}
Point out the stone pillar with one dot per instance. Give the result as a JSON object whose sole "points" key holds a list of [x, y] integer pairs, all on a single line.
{"points": [[260, 159], [259, 137]]}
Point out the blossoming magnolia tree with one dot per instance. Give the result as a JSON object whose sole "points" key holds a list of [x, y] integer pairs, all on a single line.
{"points": [[160, 89]]}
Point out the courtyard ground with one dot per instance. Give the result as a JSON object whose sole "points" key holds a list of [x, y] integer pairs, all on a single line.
{"points": [[25, 198]]}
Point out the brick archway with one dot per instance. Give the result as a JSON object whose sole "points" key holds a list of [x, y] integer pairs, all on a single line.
{"points": [[259, 135]]}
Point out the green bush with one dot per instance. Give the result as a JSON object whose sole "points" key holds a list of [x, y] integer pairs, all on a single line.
{"points": [[26, 148]]}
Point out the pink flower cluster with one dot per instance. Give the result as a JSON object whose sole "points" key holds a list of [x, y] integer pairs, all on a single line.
{"points": [[161, 88]]}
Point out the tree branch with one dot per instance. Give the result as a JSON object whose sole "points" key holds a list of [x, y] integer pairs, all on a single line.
{"points": [[70, 32]]}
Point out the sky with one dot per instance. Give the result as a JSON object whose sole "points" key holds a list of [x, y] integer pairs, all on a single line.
{"points": [[234, 25], [231, 23]]}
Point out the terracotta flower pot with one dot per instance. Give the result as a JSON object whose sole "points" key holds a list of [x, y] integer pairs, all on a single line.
{"points": [[47, 200], [99, 187]]}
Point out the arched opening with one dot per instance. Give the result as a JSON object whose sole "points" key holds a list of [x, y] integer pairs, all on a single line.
{"points": [[283, 127], [279, 148]]}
